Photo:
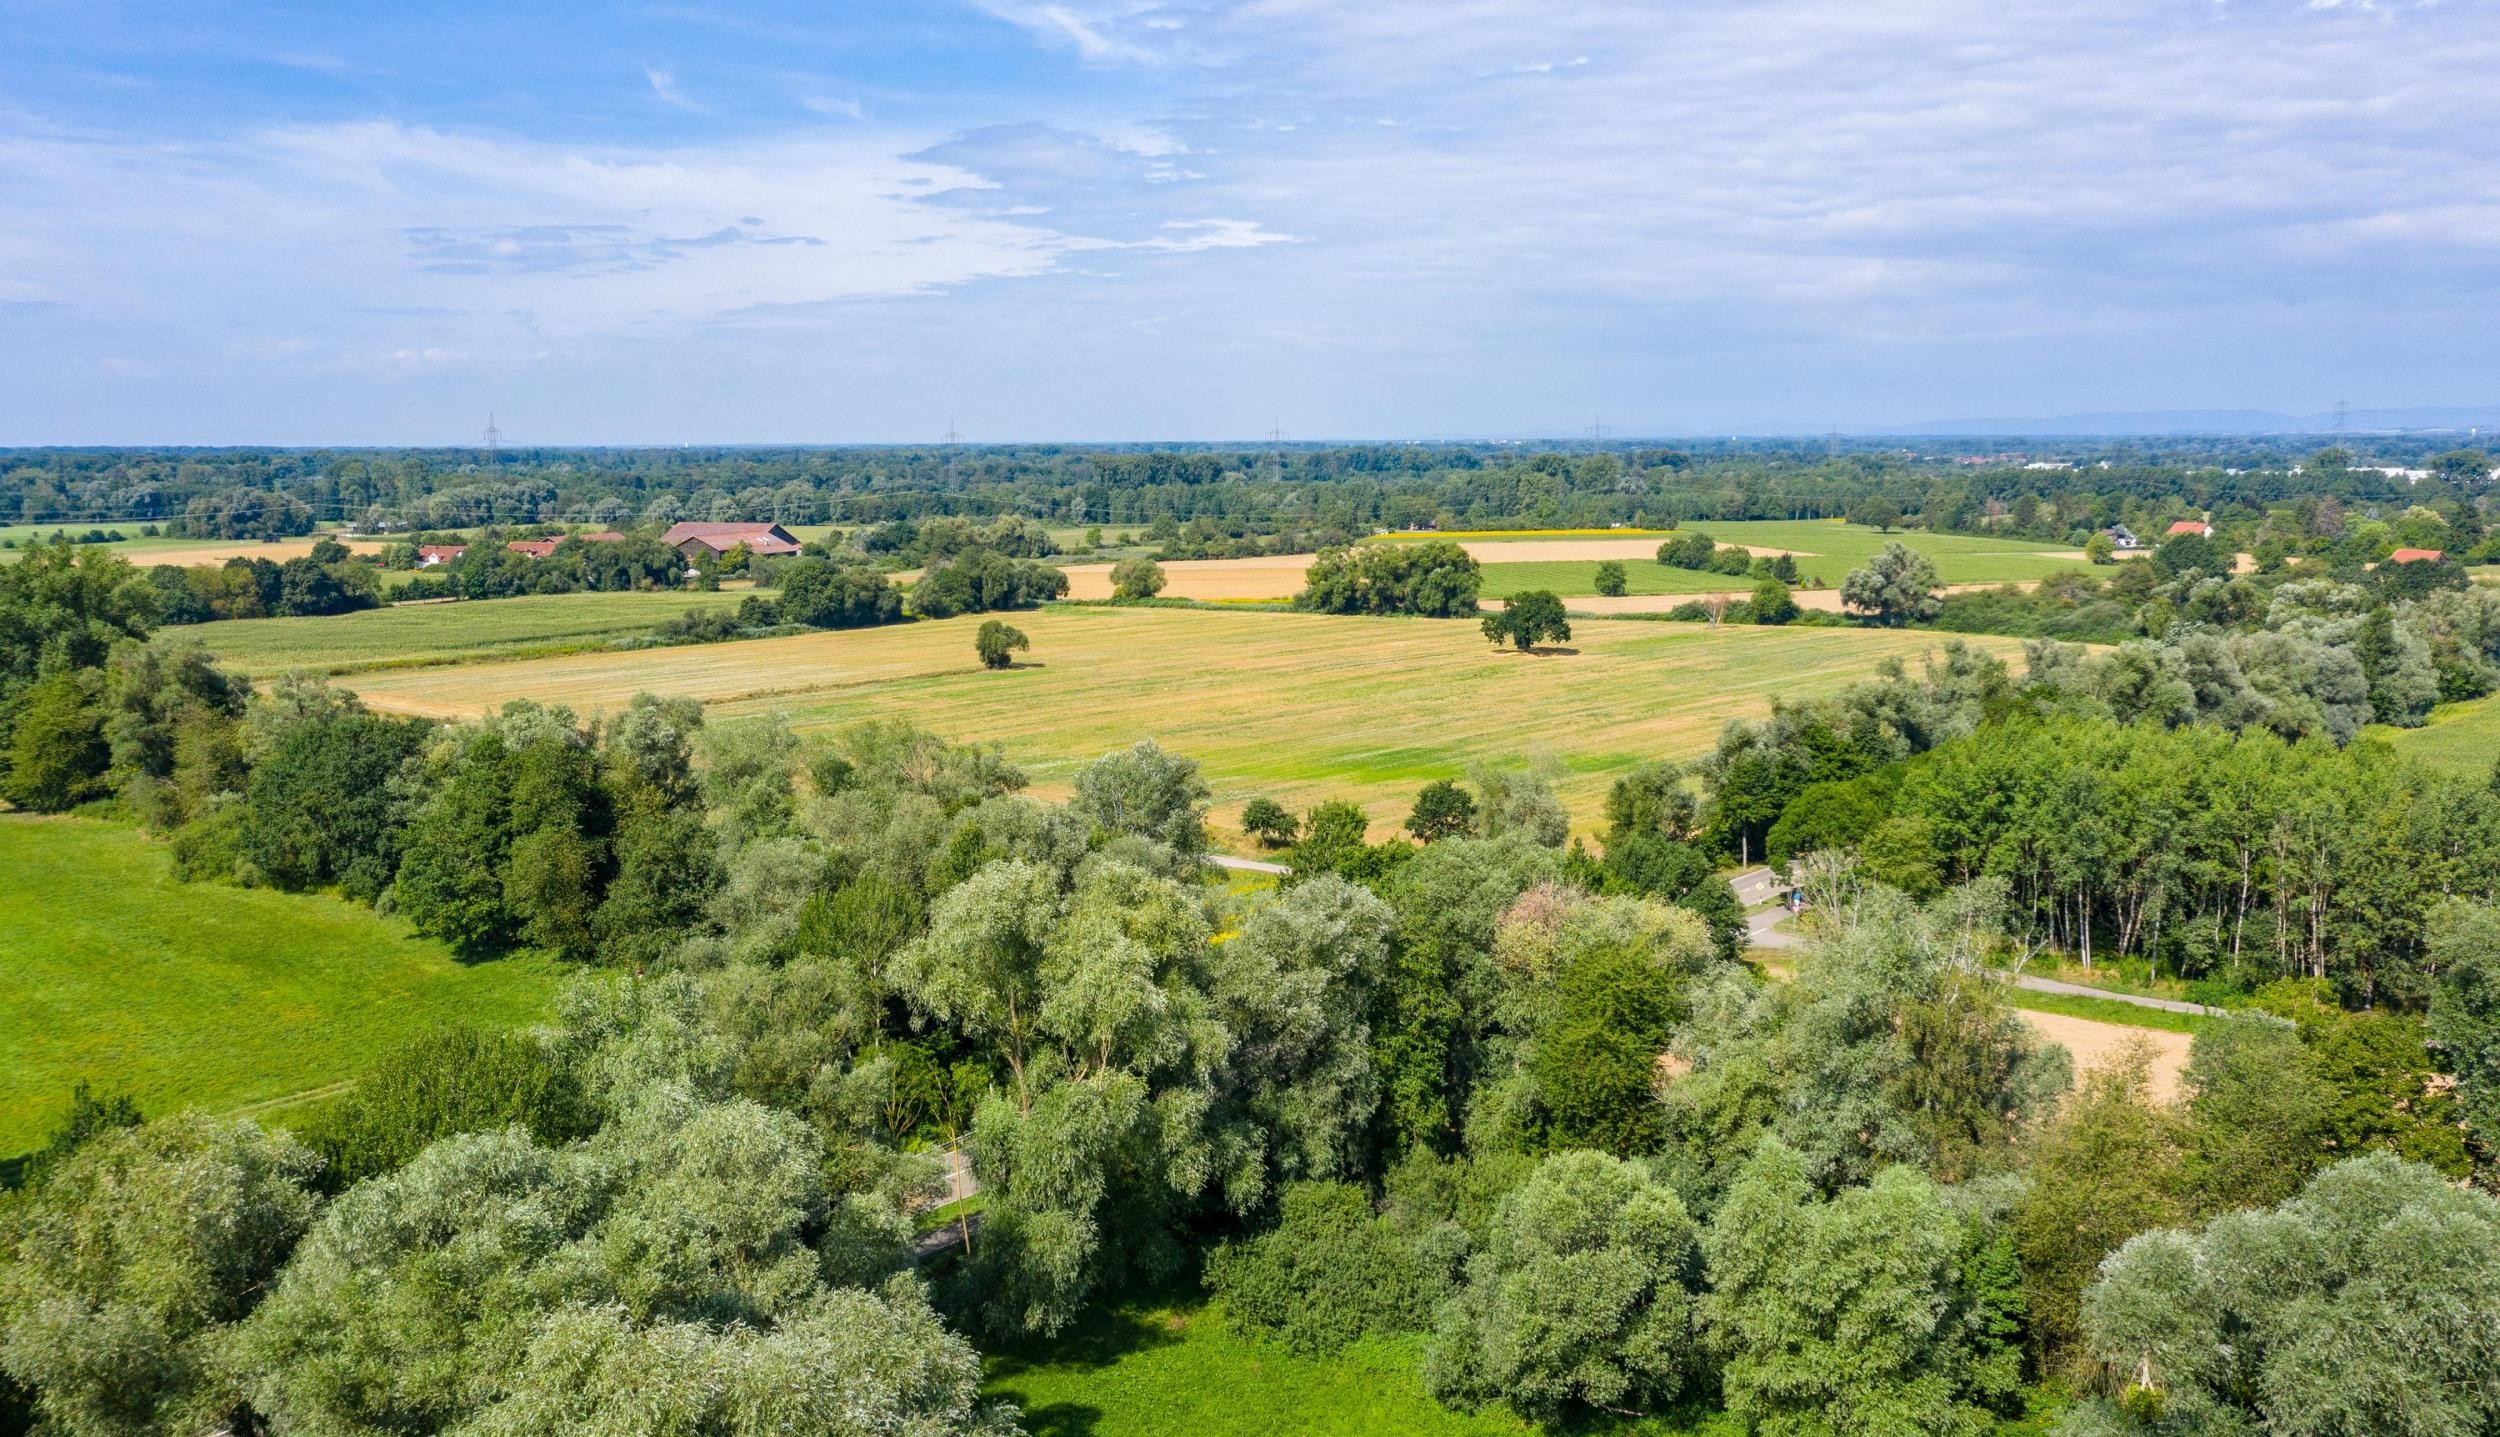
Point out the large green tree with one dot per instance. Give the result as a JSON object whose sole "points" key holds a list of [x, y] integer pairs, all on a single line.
{"points": [[1896, 587], [128, 1266], [2368, 1302], [1581, 1300]]}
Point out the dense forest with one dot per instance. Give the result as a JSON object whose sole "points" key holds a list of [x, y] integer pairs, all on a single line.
{"points": [[1516, 1097], [1214, 501]]}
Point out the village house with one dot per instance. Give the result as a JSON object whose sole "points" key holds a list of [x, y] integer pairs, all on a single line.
{"points": [[2122, 537], [2198, 527], [695, 540], [434, 555]]}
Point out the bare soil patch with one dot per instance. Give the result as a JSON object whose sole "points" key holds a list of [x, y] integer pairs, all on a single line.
{"points": [[2097, 1045]]}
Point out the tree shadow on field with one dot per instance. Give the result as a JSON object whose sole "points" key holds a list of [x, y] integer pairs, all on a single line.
{"points": [[1062, 1419], [1097, 1339], [1549, 651]]}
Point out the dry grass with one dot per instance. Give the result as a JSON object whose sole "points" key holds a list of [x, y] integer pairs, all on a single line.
{"points": [[1300, 707]]}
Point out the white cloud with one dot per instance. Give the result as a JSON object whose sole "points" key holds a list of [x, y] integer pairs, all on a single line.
{"points": [[664, 85], [1193, 236]]}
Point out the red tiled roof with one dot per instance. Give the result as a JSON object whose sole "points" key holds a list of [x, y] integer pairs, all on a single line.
{"points": [[441, 551], [2190, 526], [535, 548], [721, 538], [2417, 556]]}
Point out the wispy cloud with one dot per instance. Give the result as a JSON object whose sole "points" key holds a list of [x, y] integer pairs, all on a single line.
{"points": [[835, 106], [664, 85]]}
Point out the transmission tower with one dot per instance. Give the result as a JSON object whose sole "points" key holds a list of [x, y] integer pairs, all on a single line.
{"points": [[1598, 431], [2343, 412], [494, 441], [950, 437]]}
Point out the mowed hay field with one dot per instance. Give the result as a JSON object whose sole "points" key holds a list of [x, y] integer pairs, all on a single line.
{"points": [[199, 994], [1567, 563], [145, 551], [434, 633], [1299, 707]]}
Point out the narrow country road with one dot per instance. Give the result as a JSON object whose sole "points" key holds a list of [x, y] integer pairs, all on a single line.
{"points": [[1758, 887], [1246, 865]]}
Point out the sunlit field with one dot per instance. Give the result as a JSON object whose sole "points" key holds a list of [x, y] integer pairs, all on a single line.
{"points": [[1299, 707]]}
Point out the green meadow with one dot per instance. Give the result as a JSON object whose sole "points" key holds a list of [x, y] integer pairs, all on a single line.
{"points": [[203, 995], [1148, 1371], [2461, 738], [435, 633]]}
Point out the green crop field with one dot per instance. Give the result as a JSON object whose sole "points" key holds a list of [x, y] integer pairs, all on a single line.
{"points": [[1578, 577], [1150, 1371], [1301, 707], [195, 994], [433, 633], [1824, 550], [2461, 738]]}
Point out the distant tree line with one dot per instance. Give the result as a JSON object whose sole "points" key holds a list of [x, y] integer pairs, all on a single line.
{"points": [[1214, 501]]}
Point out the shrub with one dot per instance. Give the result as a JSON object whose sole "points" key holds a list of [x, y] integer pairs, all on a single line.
{"points": [[1611, 580], [1330, 1271]]}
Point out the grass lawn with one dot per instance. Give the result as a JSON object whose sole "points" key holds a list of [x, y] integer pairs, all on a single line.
{"points": [[1300, 707], [2460, 738], [2108, 1010], [1155, 1371], [185, 994], [434, 633]]}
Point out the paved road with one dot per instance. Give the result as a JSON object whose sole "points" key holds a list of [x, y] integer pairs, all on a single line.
{"points": [[2078, 990], [1756, 887], [1245, 865]]}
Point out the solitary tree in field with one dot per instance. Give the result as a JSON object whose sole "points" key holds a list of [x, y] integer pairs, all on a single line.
{"points": [[1897, 586], [1877, 514], [1772, 604], [2101, 549], [1268, 821], [998, 642], [1528, 619], [1610, 579], [1136, 577]]}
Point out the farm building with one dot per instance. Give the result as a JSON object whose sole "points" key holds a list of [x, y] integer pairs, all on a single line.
{"points": [[2122, 537], [431, 555], [2198, 527], [541, 548], [692, 540]]}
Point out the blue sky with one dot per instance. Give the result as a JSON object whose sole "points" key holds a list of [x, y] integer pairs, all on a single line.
{"points": [[1118, 219]]}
